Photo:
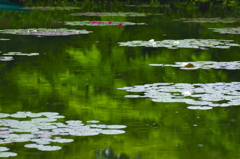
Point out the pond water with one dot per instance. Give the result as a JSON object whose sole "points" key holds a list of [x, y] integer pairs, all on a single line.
{"points": [[146, 83]]}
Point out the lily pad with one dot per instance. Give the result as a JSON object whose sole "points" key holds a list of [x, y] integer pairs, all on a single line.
{"points": [[100, 23], [4, 149], [226, 30], [42, 129], [6, 58], [48, 148], [206, 95], [209, 20], [21, 54], [185, 43], [45, 31], [231, 65], [4, 39], [52, 8], [124, 14], [8, 154], [112, 132]]}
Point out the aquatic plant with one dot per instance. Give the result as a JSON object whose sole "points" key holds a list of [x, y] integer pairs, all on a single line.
{"points": [[100, 23], [185, 43], [6, 58], [201, 96], [44, 129], [4, 39], [21, 54], [124, 14], [226, 30], [231, 65], [52, 8], [45, 31], [209, 20]]}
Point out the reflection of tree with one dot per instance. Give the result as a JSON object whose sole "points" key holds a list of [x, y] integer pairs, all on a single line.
{"points": [[78, 77]]}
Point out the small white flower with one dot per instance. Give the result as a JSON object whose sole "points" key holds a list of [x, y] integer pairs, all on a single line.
{"points": [[176, 42], [186, 93], [152, 40]]}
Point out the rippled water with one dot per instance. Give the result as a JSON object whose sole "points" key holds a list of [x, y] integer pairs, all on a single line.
{"points": [[79, 76]]}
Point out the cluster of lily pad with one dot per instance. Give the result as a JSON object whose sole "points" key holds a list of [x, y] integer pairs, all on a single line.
{"points": [[45, 31], [124, 14], [21, 54], [227, 30], [4, 39], [198, 95], [42, 129], [51, 8], [6, 58], [232, 65], [185, 43], [209, 20], [147, 5], [100, 23]]}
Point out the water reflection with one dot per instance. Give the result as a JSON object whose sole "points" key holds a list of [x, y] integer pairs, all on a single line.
{"points": [[108, 153], [77, 76]]}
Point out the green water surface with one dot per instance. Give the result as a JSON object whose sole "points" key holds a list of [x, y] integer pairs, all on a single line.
{"points": [[78, 76]]}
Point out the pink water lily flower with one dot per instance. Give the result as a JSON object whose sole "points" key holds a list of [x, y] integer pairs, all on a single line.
{"points": [[109, 22], [94, 22], [120, 24]]}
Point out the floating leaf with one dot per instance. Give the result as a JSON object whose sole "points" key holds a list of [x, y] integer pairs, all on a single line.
{"points": [[185, 43], [231, 65], [226, 30], [203, 95], [44, 31], [48, 148], [6, 58], [210, 20], [112, 132], [52, 8], [4, 149], [100, 23], [7, 154], [124, 14]]}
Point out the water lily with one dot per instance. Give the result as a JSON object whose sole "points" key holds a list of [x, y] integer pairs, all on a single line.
{"points": [[186, 93], [176, 42], [152, 42], [120, 24], [94, 22], [109, 22]]}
